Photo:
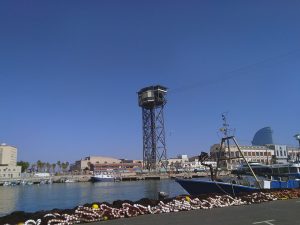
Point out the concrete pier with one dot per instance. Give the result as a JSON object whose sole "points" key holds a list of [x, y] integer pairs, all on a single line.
{"points": [[86, 178]]}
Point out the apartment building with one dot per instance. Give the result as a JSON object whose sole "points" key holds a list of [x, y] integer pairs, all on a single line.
{"points": [[8, 162]]}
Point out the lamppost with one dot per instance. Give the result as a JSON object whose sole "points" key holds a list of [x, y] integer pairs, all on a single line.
{"points": [[297, 136]]}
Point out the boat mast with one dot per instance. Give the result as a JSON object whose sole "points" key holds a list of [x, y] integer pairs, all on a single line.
{"points": [[226, 130], [226, 139]]}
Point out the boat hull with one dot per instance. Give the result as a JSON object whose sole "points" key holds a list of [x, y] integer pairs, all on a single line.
{"points": [[100, 179], [198, 187]]}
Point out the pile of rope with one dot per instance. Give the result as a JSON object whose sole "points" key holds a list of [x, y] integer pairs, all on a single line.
{"points": [[102, 212]]}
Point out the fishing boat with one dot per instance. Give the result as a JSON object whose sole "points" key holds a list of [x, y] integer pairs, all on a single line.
{"points": [[237, 184], [198, 187]]}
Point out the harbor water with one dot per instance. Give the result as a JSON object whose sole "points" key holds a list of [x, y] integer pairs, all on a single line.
{"points": [[31, 198]]}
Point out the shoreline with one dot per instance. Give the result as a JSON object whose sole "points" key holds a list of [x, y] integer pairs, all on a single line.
{"points": [[86, 178]]}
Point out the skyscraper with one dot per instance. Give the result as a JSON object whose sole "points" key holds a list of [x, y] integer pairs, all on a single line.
{"points": [[263, 136]]}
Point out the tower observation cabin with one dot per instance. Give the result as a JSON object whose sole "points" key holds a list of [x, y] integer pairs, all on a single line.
{"points": [[152, 96], [152, 100]]}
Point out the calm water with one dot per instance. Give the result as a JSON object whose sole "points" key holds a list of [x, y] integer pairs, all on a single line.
{"points": [[48, 196]]}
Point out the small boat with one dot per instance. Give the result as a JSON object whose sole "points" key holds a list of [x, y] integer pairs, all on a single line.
{"points": [[7, 183], [69, 181], [103, 177], [29, 183]]}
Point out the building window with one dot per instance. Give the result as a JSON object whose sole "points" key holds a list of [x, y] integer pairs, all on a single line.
{"points": [[280, 152], [257, 153], [253, 153], [261, 153]]}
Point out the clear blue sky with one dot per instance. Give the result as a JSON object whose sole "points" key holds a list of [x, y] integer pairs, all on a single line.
{"points": [[70, 70]]}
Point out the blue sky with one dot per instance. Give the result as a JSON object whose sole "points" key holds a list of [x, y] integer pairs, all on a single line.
{"points": [[70, 70]]}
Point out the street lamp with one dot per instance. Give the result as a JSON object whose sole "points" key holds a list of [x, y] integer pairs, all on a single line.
{"points": [[297, 136]]}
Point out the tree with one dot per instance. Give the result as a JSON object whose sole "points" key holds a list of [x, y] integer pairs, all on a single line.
{"points": [[64, 166], [33, 167], [24, 165], [53, 167], [48, 166], [58, 165], [67, 165], [43, 164], [39, 165]]}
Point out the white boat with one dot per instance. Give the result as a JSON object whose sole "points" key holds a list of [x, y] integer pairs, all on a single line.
{"points": [[7, 183], [69, 181], [103, 177]]}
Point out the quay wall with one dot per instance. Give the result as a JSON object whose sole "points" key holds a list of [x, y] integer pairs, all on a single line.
{"points": [[123, 177]]}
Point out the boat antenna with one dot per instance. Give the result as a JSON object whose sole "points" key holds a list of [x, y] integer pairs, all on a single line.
{"points": [[226, 131]]}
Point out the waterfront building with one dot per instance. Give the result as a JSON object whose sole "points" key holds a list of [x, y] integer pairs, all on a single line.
{"points": [[293, 153], [194, 165], [8, 155], [8, 162], [280, 153], [122, 167], [261, 154], [185, 164], [100, 163], [85, 163], [264, 136], [176, 164]]}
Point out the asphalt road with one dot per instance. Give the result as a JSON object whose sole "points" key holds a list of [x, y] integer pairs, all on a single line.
{"points": [[284, 212]]}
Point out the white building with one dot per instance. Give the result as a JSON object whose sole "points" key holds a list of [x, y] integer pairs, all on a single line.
{"points": [[261, 154], [293, 153], [8, 162], [196, 166], [280, 152], [183, 163]]}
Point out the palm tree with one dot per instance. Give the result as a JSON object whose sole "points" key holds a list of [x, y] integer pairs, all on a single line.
{"points": [[67, 165], [43, 164], [53, 167], [39, 165], [63, 166], [33, 167], [58, 165], [48, 166]]}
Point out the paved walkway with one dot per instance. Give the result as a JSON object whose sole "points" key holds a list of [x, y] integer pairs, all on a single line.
{"points": [[285, 212]]}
